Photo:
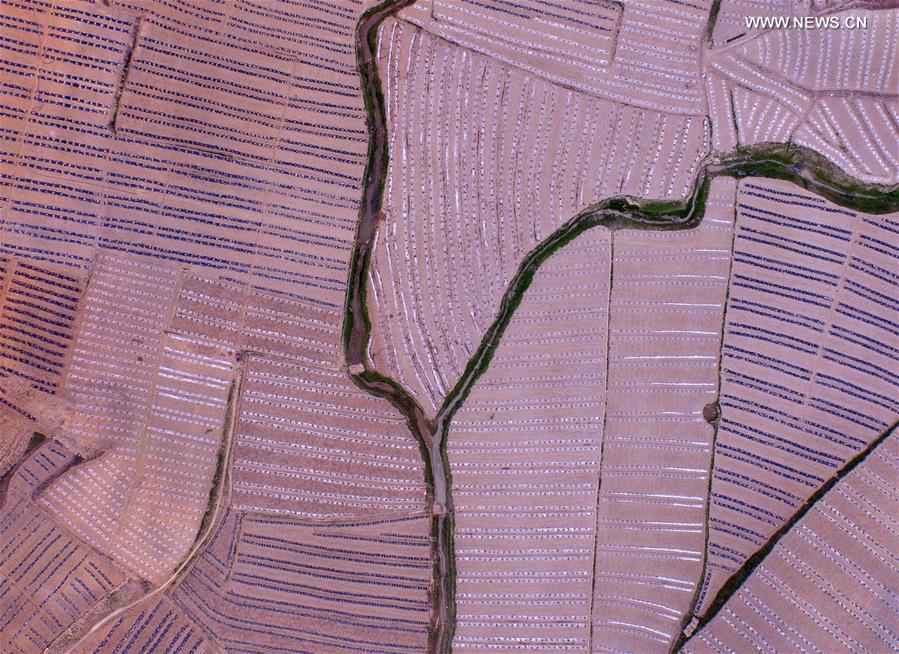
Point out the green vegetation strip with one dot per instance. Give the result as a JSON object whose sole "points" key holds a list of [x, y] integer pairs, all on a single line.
{"points": [[735, 582], [773, 161], [791, 163]]}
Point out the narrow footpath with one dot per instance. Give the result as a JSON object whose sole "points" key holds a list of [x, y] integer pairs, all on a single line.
{"points": [[795, 164]]}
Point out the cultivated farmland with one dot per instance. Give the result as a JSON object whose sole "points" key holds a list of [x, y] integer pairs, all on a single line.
{"points": [[451, 240], [245, 162], [311, 444], [48, 578], [666, 307], [730, 24], [779, 87], [524, 454], [129, 166], [325, 587], [162, 627], [809, 346], [618, 61], [38, 310], [268, 582], [447, 325], [242, 167], [568, 523], [829, 584], [152, 405], [17, 432]]}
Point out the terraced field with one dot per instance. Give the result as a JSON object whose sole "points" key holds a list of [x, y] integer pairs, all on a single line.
{"points": [[453, 238], [809, 346], [777, 87], [524, 454], [48, 578], [447, 326], [834, 573], [666, 307], [244, 162], [310, 444]]}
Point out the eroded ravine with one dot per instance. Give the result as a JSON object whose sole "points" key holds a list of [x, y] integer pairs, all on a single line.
{"points": [[795, 164], [357, 328], [736, 580]]}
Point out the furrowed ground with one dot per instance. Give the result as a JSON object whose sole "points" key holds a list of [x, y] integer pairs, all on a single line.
{"points": [[179, 197], [648, 435], [688, 469]]}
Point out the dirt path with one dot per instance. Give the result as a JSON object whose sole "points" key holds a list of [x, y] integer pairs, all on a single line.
{"points": [[792, 163]]}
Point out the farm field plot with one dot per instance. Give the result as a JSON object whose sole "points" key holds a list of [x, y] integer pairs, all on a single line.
{"points": [[433, 326], [580, 459], [324, 486], [48, 578], [109, 151], [162, 627], [666, 307], [219, 313], [600, 49], [38, 319], [165, 185], [38, 311], [524, 455], [309, 443], [693, 479], [24, 412], [124, 163], [320, 586], [275, 583], [149, 408], [807, 363], [45, 462], [456, 227], [266, 583], [730, 24], [244, 162], [829, 583], [17, 433], [779, 86]]}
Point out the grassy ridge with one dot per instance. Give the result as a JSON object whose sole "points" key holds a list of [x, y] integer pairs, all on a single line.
{"points": [[791, 163]]}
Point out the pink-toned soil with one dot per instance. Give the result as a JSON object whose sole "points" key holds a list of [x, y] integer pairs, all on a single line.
{"points": [[48, 578], [311, 444], [466, 200], [829, 585], [268, 583], [524, 456], [808, 361], [666, 308]]}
